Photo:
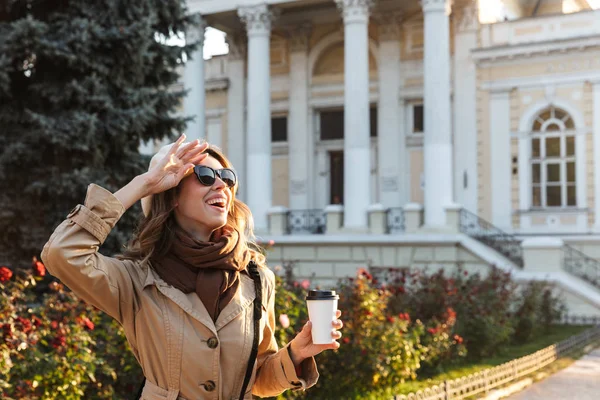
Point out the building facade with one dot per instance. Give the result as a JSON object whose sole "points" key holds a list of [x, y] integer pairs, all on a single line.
{"points": [[407, 128]]}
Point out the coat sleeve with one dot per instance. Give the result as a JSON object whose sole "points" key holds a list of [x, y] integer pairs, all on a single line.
{"points": [[276, 372], [71, 254]]}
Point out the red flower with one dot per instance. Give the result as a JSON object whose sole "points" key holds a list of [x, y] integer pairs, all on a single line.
{"points": [[305, 284], [36, 321], [345, 340], [58, 341], [458, 339], [404, 316], [85, 321], [25, 323], [390, 319], [465, 273], [363, 272], [401, 290], [38, 268], [451, 315], [432, 331], [5, 274], [54, 324]]}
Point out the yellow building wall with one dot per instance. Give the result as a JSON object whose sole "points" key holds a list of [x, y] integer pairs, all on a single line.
{"points": [[280, 180], [416, 171]]}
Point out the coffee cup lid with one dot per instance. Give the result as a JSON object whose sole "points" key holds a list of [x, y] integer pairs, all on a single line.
{"points": [[322, 295]]}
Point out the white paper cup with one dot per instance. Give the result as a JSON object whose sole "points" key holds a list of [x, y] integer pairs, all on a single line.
{"points": [[322, 305]]}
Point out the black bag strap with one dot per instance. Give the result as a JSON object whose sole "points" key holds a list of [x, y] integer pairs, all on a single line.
{"points": [[255, 275], [257, 304]]}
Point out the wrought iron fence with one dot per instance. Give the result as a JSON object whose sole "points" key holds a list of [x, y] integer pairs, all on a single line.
{"points": [[306, 221], [581, 265], [395, 220], [486, 380], [483, 231]]}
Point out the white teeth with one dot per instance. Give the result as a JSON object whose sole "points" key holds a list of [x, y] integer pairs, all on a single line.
{"points": [[219, 202]]}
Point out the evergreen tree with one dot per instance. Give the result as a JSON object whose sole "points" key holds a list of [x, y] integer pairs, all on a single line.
{"points": [[81, 83]]}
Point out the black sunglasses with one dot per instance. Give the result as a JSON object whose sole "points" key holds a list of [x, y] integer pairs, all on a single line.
{"points": [[207, 175]]}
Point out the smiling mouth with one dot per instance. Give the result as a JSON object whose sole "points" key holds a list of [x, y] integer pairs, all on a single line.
{"points": [[217, 204]]}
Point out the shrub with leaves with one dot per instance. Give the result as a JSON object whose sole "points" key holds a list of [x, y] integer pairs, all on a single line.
{"points": [[54, 346]]}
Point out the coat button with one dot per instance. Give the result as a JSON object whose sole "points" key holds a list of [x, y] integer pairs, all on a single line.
{"points": [[209, 386], [212, 342]]}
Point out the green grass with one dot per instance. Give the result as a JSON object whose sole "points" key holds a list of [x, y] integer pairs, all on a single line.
{"points": [[556, 334]]}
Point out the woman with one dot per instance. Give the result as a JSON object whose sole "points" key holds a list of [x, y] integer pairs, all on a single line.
{"points": [[184, 289]]}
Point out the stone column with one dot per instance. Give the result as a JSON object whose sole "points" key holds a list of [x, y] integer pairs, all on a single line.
{"points": [[258, 25], [236, 103], [465, 20], [596, 135], [391, 141], [194, 104], [357, 172], [298, 132], [500, 181], [437, 135]]}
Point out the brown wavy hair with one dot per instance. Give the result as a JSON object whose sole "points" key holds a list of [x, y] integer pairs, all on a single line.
{"points": [[154, 234]]}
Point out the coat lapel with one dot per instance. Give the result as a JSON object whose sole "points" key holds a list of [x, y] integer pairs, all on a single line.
{"points": [[187, 302], [242, 299]]}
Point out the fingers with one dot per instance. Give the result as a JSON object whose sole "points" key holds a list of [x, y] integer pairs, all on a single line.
{"points": [[306, 331], [337, 324], [338, 313], [176, 145], [336, 334]]}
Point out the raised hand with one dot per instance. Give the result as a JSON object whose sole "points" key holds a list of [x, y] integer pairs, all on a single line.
{"points": [[175, 165]]}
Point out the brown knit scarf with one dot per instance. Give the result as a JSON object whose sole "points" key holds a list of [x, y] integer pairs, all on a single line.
{"points": [[211, 269]]}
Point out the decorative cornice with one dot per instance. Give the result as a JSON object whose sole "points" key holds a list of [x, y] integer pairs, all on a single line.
{"points": [[299, 37], [355, 10], [258, 19], [215, 85], [512, 52], [196, 29], [436, 5]]}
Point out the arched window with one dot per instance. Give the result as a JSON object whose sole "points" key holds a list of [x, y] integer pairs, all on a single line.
{"points": [[553, 159]]}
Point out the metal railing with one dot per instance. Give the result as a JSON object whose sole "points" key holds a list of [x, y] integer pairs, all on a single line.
{"points": [[483, 231], [581, 265], [395, 220], [488, 379], [306, 222]]}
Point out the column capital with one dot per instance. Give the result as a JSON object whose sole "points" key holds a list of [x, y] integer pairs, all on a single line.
{"points": [[258, 19], [388, 25], [436, 5], [237, 46], [355, 10], [466, 18], [299, 36], [195, 30]]}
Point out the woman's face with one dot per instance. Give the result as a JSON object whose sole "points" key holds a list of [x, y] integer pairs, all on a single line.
{"points": [[193, 211]]}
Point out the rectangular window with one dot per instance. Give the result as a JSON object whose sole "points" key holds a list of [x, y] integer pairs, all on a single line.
{"points": [[332, 125], [373, 117], [418, 119], [279, 129]]}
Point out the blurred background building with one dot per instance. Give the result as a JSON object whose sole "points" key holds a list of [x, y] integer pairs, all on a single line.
{"points": [[431, 133]]}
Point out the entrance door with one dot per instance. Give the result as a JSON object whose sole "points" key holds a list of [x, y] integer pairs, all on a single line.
{"points": [[336, 177]]}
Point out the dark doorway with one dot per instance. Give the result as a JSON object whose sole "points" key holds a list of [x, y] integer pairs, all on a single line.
{"points": [[336, 177]]}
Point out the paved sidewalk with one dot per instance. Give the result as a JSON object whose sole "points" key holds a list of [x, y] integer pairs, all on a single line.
{"points": [[579, 381]]}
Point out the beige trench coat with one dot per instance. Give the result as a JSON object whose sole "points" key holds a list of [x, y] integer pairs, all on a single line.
{"points": [[183, 353]]}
